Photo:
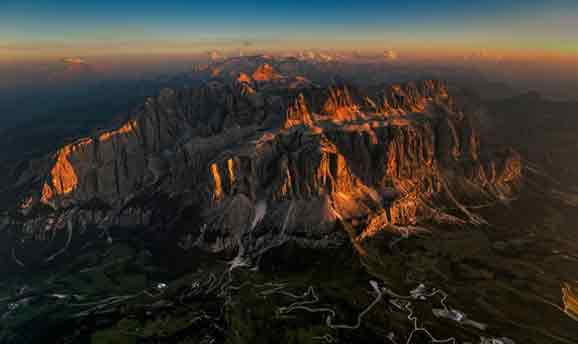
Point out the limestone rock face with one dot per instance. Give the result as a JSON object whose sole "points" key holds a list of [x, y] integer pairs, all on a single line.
{"points": [[265, 72], [570, 298], [340, 106], [298, 114], [282, 165]]}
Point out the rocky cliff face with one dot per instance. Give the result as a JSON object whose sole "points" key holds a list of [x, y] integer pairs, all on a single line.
{"points": [[267, 166]]}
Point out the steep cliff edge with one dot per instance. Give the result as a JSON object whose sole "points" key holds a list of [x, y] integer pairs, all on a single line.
{"points": [[266, 166]]}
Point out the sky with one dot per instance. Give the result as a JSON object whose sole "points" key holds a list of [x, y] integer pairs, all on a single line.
{"points": [[31, 29]]}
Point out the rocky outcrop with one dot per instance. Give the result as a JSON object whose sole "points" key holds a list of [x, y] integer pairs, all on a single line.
{"points": [[570, 298], [274, 164], [265, 72], [339, 105], [298, 114], [244, 78], [412, 97], [115, 163]]}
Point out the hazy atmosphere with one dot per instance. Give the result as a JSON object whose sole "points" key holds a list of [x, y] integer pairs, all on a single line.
{"points": [[319, 172], [533, 28], [51, 43]]}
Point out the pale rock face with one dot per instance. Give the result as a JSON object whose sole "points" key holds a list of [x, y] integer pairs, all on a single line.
{"points": [[317, 158]]}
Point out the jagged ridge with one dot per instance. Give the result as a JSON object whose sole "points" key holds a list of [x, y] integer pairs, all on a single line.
{"points": [[397, 155]]}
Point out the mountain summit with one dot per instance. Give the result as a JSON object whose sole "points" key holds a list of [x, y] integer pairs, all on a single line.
{"points": [[266, 164]]}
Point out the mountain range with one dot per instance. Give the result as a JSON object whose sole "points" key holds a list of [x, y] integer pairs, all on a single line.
{"points": [[261, 155], [265, 199]]}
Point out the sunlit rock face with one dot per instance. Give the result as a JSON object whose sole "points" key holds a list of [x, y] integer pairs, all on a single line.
{"points": [[570, 298], [71, 162], [393, 155], [265, 72], [298, 114]]}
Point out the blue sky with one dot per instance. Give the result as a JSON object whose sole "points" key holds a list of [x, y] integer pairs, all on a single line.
{"points": [[85, 25]]}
